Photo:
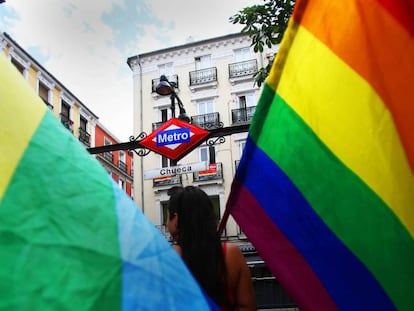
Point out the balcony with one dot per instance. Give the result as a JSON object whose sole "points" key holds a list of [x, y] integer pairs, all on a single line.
{"points": [[243, 69], [207, 121], [173, 79], [68, 123], [203, 76], [84, 137], [108, 156], [214, 172], [166, 181], [122, 166], [242, 115]]}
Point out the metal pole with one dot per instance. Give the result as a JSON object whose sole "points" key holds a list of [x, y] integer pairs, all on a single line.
{"points": [[172, 96], [223, 221]]}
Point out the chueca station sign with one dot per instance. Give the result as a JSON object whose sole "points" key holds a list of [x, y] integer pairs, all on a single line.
{"points": [[175, 170]]}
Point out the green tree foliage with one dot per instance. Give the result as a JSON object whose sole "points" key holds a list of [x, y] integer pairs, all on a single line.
{"points": [[265, 24]]}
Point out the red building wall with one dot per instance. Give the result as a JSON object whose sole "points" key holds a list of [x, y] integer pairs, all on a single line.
{"points": [[102, 135]]}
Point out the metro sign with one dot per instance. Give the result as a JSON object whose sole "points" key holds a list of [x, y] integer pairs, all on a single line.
{"points": [[174, 139]]}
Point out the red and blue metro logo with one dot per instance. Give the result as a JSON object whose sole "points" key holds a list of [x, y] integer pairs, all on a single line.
{"points": [[174, 138]]}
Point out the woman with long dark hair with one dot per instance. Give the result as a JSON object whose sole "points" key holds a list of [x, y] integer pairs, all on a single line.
{"points": [[219, 268]]}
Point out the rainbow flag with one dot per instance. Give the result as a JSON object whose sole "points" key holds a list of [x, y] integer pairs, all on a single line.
{"points": [[70, 238], [325, 186], [212, 171]]}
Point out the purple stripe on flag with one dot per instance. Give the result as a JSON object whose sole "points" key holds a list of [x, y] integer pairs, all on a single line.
{"points": [[287, 209], [271, 243]]}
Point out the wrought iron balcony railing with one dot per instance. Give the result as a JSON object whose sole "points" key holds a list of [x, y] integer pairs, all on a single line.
{"points": [[68, 123], [207, 121], [173, 80], [242, 69], [108, 156], [203, 76], [122, 166], [84, 137], [215, 171], [166, 180], [242, 115]]}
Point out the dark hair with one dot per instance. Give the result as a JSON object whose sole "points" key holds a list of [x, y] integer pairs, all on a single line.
{"points": [[199, 241]]}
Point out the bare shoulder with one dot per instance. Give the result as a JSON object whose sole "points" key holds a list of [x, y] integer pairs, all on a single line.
{"points": [[178, 249], [239, 278], [234, 253], [235, 261]]}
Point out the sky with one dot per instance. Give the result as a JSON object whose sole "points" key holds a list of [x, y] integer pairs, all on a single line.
{"points": [[85, 44]]}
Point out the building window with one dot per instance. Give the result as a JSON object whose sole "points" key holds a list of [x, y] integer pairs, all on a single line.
{"points": [[121, 184], [122, 156], [206, 116], [108, 155], [207, 154], [242, 145], [165, 114], [122, 162], [216, 205], [44, 94], [164, 207], [65, 116], [240, 55], [202, 62], [166, 70], [82, 123], [247, 107], [205, 107], [18, 66], [84, 136], [247, 100], [165, 162]]}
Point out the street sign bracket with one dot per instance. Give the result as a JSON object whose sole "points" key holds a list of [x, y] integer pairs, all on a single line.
{"points": [[216, 136]]}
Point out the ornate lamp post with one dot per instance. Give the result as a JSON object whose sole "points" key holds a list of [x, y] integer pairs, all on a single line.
{"points": [[165, 88]]}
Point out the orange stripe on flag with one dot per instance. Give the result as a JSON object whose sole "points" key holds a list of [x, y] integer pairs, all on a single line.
{"points": [[377, 47]]}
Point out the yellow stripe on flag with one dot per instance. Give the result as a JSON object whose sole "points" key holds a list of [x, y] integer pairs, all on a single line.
{"points": [[18, 119], [350, 119]]}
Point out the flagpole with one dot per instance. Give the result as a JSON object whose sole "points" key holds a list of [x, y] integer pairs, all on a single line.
{"points": [[223, 221]]}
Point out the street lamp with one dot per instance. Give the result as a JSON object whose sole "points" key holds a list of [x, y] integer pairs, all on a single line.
{"points": [[165, 88]]}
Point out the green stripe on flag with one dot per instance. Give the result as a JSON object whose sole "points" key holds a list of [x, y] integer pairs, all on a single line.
{"points": [[56, 242]]}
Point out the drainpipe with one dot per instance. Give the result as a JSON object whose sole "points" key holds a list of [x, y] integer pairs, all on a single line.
{"points": [[132, 62], [141, 129]]}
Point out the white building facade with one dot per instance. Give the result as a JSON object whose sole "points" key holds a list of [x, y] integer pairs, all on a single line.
{"points": [[214, 80]]}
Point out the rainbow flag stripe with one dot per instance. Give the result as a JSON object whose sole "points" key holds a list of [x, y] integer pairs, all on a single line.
{"points": [[325, 187], [70, 238], [212, 170], [164, 178]]}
